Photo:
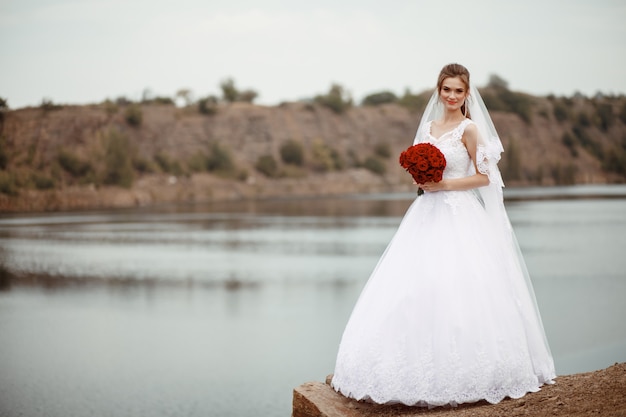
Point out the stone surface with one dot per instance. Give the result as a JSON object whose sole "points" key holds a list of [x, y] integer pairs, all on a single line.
{"points": [[598, 393]]}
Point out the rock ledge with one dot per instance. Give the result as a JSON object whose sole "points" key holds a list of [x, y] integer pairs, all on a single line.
{"points": [[598, 393]]}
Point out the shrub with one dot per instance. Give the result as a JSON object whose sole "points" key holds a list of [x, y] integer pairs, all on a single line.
{"points": [[622, 113], [379, 98], [324, 158], [415, 102], [122, 101], [133, 115], [544, 113], [110, 107], [338, 162], [8, 184], [518, 103], [498, 97], [293, 171], [605, 116], [47, 105], [248, 96], [143, 165], [570, 143], [568, 101], [230, 93], [497, 82], [375, 164], [168, 164], [594, 147], [337, 99], [42, 182], [502, 99], [615, 162], [560, 111], [207, 105], [118, 169], [72, 164], [163, 161], [197, 162], [267, 165], [4, 158], [583, 119], [492, 101], [160, 100], [220, 160], [3, 107], [292, 152]]}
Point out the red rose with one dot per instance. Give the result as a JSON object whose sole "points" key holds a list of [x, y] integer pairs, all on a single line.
{"points": [[424, 162]]}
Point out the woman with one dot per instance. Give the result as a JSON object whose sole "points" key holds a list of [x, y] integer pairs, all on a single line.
{"points": [[448, 315]]}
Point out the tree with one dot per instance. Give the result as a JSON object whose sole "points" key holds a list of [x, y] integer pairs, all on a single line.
{"points": [[230, 93], [337, 99], [379, 98], [185, 95], [415, 102], [207, 105], [497, 82], [4, 106], [247, 95]]}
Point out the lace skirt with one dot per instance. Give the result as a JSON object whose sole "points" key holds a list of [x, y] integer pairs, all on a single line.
{"points": [[446, 316]]}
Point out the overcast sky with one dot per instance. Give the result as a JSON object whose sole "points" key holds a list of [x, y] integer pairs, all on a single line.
{"points": [[84, 51]]}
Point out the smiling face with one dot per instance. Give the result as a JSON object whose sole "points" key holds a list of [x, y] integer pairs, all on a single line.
{"points": [[453, 93]]}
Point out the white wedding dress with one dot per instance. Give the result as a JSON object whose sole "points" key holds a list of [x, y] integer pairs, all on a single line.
{"points": [[446, 316]]}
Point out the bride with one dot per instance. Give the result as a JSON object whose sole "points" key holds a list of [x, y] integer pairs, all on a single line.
{"points": [[448, 316]]}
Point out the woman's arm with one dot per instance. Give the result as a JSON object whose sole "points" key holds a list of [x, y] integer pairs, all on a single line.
{"points": [[470, 140]]}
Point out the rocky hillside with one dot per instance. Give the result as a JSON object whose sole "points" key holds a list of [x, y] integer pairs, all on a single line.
{"points": [[123, 154]]}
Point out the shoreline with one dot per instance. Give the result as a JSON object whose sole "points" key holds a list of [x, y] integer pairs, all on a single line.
{"points": [[162, 192]]}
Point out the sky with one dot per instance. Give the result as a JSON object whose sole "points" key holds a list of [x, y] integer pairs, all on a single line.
{"points": [[85, 51]]}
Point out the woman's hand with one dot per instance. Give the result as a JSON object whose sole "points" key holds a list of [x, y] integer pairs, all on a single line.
{"points": [[434, 186]]}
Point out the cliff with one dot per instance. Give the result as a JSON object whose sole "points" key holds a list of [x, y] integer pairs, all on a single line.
{"points": [[127, 154], [598, 393]]}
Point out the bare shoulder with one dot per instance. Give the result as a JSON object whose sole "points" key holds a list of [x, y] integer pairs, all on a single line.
{"points": [[471, 128], [470, 134]]}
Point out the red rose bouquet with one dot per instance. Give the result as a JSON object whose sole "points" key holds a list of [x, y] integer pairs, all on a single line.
{"points": [[424, 162]]}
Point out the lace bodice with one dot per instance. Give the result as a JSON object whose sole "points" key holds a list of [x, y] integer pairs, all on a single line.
{"points": [[458, 161]]}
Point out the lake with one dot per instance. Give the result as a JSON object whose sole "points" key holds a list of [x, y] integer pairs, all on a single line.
{"points": [[222, 309]]}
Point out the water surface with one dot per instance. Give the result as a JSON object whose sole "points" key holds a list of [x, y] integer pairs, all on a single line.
{"points": [[222, 309]]}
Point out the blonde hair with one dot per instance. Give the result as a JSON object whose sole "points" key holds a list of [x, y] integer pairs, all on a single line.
{"points": [[451, 71]]}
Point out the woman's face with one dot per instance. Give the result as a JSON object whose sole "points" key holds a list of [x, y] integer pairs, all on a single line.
{"points": [[453, 93]]}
